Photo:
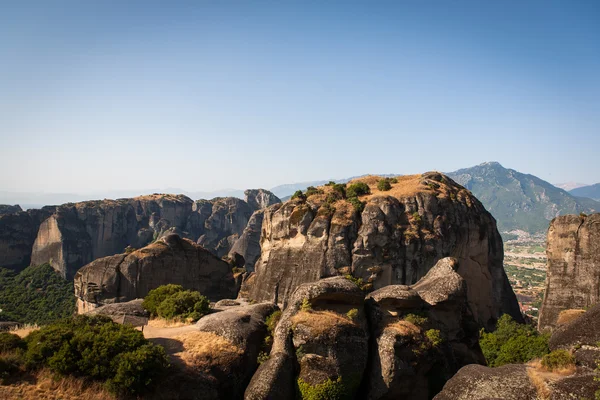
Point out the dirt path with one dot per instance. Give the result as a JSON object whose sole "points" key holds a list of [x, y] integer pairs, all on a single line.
{"points": [[151, 332]]}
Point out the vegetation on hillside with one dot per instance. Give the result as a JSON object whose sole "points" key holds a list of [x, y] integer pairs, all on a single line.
{"points": [[171, 302], [512, 343], [36, 295], [92, 348]]}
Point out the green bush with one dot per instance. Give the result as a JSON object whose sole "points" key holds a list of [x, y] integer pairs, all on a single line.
{"points": [[272, 321], [11, 342], [416, 319], [36, 295], [158, 295], [384, 185], [138, 369], [558, 359], [97, 348], [330, 183], [312, 190], [359, 282], [184, 305], [512, 343], [357, 189], [305, 306], [298, 195], [358, 205], [434, 336], [352, 314], [393, 180], [340, 190], [328, 390]]}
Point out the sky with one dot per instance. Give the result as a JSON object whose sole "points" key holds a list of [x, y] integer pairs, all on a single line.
{"points": [[205, 95]]}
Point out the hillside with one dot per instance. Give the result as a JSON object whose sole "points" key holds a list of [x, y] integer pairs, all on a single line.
{"points": [[517, 200], [591, 191]]}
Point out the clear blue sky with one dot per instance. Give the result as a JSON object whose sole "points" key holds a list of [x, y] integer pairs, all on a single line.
{"points": [[202, 95]]}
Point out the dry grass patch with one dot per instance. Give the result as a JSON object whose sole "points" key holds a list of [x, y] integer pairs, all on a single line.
{"points": [[204, 349], [24, 330], [165, 323], [320, 322], [404, 328], [541, 376], [44, 385], [567, 316]]}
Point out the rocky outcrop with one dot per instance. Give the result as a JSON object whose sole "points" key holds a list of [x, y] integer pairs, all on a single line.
{"points": [[573, 273], [421, 335], [117, 311], [396, 239], [8, 209], [532, 381], [171, 259], [258, 199], [229, 217], [17, 235], [82, 232], [248, 244], [316, 333]]}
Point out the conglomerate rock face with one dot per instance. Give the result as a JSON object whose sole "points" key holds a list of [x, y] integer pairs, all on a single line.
{"points": [[399, 342], [171, 259], [396, 239], [573, 270]]}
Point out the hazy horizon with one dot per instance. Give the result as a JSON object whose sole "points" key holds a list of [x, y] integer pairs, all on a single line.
{"points": [[204, 96]]}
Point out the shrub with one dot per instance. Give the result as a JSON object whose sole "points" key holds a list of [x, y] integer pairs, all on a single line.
{"points": [[340, 190], [97, 348], [330, 183], [384, 185], [158, 295], [417, 218], [512, 343], [138, 369], [298, 195], [357, 189], [357, 281], [312, 190], [328, 390], [558, 359], [306, 306], [326, 209], [262, 357], [393, 180], [352, 314], [415, 319], [11, 342], [358, 205], [434, 336], [183, 305], [272, 321]]}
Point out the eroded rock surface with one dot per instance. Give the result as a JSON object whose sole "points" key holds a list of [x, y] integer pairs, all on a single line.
{"points": [[171, 259], [258, 199], [8, 209], [573, 269], [248, 244], [397, 239]]}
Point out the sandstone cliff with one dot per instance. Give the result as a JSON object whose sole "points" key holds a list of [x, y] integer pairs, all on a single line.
{"points": [[573, 273], [396, 239], [171, 259]]}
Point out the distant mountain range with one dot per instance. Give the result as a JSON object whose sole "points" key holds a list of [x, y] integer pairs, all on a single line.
{"points": [[591, 191], [516, 200], [569, 185], [520, 201]]}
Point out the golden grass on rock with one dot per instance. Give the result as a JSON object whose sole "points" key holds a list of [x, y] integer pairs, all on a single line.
{"points": [[567, 316], [320, 322], [203, 349], [404, 328]]}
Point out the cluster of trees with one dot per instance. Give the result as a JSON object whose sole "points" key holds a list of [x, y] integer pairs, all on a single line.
{"points": [[88, 347], [36, 295], [173, 303], [512, 343]]}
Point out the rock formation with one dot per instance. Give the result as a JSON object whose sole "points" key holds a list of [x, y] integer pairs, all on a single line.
{"points": [[171, 259], [78, 233], [8, 209], [396, 239], [258, 199], [573, 273], [248, 244], [17, 234], [530, 382], [399, 342]]}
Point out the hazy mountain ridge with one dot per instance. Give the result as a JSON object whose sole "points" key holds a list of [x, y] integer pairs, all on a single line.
{"points": [[517, 200], [590, 191]]}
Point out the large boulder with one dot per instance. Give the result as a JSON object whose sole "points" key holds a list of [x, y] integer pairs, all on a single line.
{"points": [[171, 259], [323, 332], [395, 240], [573, 271], [422, 334]]}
